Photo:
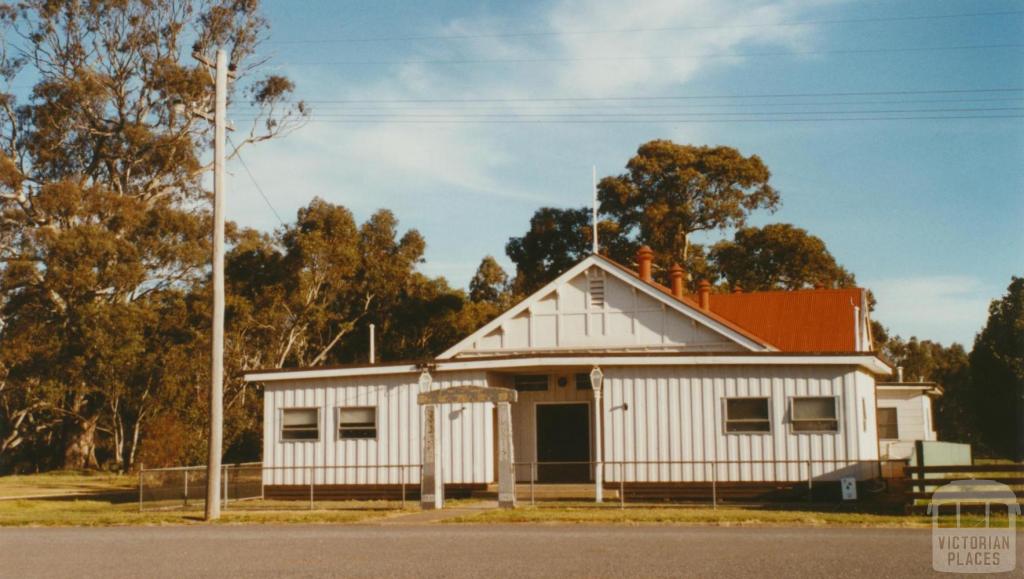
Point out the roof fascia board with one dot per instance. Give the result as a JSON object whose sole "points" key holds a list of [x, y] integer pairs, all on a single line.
{"points": [[313, 373], [868, 362]]}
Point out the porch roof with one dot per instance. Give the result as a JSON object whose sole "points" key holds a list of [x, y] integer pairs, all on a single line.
{"points": [[867, 361]]}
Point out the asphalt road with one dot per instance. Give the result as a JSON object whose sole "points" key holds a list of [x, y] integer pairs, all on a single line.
{"points": [[464, 551]]}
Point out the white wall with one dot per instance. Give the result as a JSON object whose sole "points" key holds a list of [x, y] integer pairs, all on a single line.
{"points": [[914, 419], [676, 414], [568, 318], [466, 432]]}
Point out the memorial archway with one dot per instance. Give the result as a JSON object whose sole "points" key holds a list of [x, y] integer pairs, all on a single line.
{"points": [[432, 479]]}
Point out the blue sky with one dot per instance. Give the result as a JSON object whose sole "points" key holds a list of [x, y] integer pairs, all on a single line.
{"points": [[927, 213]]}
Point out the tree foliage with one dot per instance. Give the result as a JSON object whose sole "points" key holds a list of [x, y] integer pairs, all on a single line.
{"points": [[983, 403], [102, 223], [668, 193], [777, 256], [948, 366], [556, 240], [489, 283], [997, 373], [671, 191]]}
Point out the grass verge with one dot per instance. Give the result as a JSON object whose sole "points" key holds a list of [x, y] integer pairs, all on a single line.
{"points": [[65, 483], [723, 516], [95, 513]]}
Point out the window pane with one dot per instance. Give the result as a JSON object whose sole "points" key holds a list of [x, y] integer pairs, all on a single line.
{"points": [[300, 417], [358, 433], [531, 382], [290, 433], [360, 422], [746, 408], [751, 426], [888, 424], [583, 382], [814, 408], [816, 426], [358, 416]]}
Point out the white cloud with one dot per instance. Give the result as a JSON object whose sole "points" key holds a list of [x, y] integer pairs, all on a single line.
{"points": [[702, 28], [943, 308], [428, 168]]}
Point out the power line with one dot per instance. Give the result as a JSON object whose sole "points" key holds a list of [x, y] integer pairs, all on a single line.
{"points": [[547, 33], [556, 106], [661, 121], [723, 96], [664, 58], [256, 184], [598, 115]]}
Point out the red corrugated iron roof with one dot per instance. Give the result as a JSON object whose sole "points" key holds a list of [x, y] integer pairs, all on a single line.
{"points": [[812, 320]]}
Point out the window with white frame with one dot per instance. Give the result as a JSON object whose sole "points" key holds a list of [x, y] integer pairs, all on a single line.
{"points": [[300, 424], [357, 422], [814, 414], [747, 415]]}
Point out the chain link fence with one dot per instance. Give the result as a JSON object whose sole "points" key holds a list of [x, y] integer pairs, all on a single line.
{"points": [[252, 486], [709, 482], [184, 487], [245, 486]]}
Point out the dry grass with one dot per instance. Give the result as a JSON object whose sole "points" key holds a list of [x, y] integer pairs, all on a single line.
{"points": [[109, 500], [93, 513], [104, 499], [723, 516], [65, 483]]}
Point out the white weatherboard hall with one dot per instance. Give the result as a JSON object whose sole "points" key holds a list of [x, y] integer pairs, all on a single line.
{"points": [[739, 387]]}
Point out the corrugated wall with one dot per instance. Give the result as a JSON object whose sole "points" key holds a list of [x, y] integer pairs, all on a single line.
{"points": [[676, 414], [466, 432], [650, 414]]}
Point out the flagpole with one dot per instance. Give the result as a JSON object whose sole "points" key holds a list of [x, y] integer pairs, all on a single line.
{"points": [[593, 216]]}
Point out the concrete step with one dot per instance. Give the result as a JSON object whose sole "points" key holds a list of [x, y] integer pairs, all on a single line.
{"points": [[561, 491]]}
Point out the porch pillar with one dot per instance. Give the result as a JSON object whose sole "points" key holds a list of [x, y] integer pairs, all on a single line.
{"points": [[431, 480], [506, 458], [598, 448]]}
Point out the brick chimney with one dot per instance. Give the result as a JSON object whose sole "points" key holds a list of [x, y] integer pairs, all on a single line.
{"points": [[705, 294], [676, 275], [736, 288], [644, 257]]}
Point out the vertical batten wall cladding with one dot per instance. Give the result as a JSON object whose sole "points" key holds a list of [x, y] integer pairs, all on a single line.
{"points": [[466, 432], [657, 414]]}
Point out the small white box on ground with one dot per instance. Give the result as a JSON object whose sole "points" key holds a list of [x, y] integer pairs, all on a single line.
{"points": [[849, 486]]}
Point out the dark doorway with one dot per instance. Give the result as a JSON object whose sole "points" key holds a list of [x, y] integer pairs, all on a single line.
{"points": [[563, 436]]}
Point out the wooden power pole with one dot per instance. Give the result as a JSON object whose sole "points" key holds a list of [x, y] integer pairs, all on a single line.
{"points": [[213, 465]]}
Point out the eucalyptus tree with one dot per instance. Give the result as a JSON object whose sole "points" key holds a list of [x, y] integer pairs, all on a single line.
{"points": [[556, 240], [777, 256], [671, 191], [103, 214]]}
